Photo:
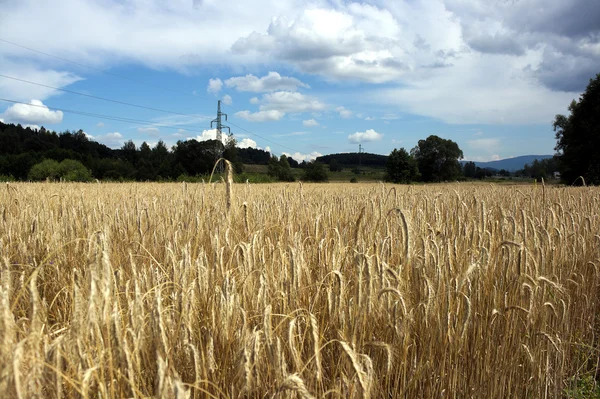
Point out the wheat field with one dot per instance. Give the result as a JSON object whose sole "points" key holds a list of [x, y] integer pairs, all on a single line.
{"points": [[298, 290]]}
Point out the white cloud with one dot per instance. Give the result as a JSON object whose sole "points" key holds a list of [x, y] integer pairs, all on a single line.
{"points": [[211, 134], [100, 124], [344, 113], [369, 118], [261, 116], [254, 100], [151, 131], [227, 100], [291, 102], [32, 127], [246, 143], [310, 123], [112, 140], [272, 82], [365, 137], [303, 157], [358, 42], [214, 85], [32, 71], [1, 120], [33, 113], [268, 149]]}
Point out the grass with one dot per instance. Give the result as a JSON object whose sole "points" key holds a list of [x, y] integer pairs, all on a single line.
{"points": [[298, 290]]}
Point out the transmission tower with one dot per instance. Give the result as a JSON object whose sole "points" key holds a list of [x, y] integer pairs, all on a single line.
{"points": [[220, 127], [359, 152]]}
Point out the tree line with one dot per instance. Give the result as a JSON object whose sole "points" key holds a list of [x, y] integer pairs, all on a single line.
{"points": [[22, 148]]}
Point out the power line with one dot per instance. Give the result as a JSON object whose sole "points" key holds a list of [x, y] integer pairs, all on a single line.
{"points": [[133, 121], [95, 97], [120, 102], [101, 116], [85, 65]]}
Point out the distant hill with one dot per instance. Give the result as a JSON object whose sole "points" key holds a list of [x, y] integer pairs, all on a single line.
{"points": [[511, 164], [354, 158]]}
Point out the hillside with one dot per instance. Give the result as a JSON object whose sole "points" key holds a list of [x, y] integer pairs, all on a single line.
{"points": [[354, 159], [510, 164]]}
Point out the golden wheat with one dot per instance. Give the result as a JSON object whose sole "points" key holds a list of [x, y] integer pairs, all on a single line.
{"points": [[225, 290]]}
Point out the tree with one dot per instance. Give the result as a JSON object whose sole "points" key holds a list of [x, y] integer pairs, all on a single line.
{"points": [[578, 137], [129, 152], [68, 170], [401, 167], [71, 170], [469, 169], [437, 159], [280, 169], [47, 169], [230, 153], [315, 171]]}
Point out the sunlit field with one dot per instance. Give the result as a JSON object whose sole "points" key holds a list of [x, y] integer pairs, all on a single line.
{"points": [[298, 290]]}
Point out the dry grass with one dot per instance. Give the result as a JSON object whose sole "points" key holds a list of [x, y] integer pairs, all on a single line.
{"points": [[192, 290]]}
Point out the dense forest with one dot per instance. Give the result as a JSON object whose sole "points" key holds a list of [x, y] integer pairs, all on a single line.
{"points": [[22, 148]]}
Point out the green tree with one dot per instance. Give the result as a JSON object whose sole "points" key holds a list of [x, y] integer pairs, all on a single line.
{"points": [[315, 171], [47, 169], [280, 169], [578, 137], [68, 170], [71, 170], [438, 159], [230, 153], [401, 167], [469, 169]]}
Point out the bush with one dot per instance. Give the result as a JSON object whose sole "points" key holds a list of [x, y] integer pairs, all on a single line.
{"points": [[68, 170], [47, 169]]}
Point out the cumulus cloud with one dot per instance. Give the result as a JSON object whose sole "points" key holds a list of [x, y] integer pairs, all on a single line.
{"points": [[261, 116], [112, 140], [100, 124], [214, 86], [227, 100], [310, 123], [268, 149], [365, 137], [303, 157], [254, 100], [273, 81], [344, 113], [246, 143], [34, 113], [210, 134], [291, 102], [359, 42]]}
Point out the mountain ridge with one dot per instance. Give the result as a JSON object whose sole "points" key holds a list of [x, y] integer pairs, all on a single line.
{"points": [[510, 164]]}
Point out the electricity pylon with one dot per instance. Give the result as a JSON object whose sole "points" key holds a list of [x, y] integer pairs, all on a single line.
{"points": [[220, 127]]}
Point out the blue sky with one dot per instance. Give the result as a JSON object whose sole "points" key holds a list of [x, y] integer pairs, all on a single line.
{"points": [[303, 77]]}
